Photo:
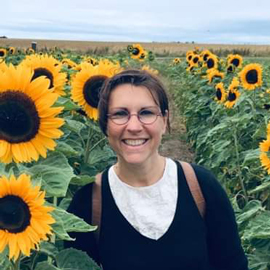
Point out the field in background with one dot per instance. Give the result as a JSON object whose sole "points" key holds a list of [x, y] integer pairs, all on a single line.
{"points": [[160, 49]]}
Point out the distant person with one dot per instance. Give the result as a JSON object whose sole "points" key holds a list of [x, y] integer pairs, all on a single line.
{"points": [[150, 219]]}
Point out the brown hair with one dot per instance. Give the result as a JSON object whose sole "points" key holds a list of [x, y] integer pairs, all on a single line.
{"points": [[137, 78]]}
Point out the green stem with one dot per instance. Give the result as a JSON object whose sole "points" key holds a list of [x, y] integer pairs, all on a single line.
{"points": [[238, 165], [96, 144], [87, 149], [17, 263]]}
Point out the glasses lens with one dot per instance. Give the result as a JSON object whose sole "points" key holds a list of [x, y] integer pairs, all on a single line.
{"points": [[148, 116], [119, 117]]}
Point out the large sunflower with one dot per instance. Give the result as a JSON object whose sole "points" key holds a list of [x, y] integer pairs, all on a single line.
{"points": [[221, 94], [265, 147], [28, 122], [49, 67], [233, 93], [251, 76], [24, 220], [87, 84]]}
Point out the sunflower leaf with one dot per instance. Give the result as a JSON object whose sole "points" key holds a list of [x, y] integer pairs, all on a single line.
{"points": [[55, 173], [74, 259], [5, 263], [72, 223], [66, 103], [48, 248], [66, 149], [46, 266], [75, 126]]}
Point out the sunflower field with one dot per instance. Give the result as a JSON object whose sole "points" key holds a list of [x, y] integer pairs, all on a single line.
{"points": [[51, 145]]}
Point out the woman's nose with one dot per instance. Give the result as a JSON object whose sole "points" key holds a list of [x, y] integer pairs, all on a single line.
{"points": [[134, 123]]}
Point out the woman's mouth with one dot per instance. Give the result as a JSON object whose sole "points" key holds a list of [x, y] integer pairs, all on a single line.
{"points": [[136, 142]]}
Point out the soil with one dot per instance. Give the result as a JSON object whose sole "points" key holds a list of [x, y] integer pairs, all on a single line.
{"points": [[174, 144]]}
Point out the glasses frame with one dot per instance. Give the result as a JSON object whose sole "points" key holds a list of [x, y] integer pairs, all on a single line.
{"points": [[138, 117]]}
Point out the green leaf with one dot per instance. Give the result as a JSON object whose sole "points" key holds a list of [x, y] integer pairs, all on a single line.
{"points": [[48, 248], [249, 211], [66, 149], [66, 103], [72, 223], [259, 227], [251, 155], [74, 259], [75, 126], [46, 266], [5, 263], [55, 173], [81, 180]]}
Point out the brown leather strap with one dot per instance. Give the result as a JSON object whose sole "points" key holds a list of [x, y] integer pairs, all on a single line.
{"points": [[96, 205], [194, 187]]}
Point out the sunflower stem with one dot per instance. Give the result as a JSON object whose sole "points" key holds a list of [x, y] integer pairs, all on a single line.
{"points": [[87, 149], [238, 165], [17, 263]]}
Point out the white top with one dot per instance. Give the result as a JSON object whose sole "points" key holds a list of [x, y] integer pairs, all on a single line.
{"points": [[150, 209]]}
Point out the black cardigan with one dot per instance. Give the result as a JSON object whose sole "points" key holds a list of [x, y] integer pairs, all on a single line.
{"points": [[191, 243]]}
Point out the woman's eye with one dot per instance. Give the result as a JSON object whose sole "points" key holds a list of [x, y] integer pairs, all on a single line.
{"points": [[146, 112], [119, 114]]}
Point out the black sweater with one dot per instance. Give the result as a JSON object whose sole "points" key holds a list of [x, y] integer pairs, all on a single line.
{"points": [[191, 242]]}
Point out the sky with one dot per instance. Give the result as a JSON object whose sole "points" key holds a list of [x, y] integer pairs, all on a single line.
{"points": [[199, 21]]}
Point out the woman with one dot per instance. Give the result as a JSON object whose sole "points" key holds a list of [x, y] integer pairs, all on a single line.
{"points": [[149, 218]]}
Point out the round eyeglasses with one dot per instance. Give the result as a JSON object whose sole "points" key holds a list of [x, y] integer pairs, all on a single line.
{"points": [[146, 116]]}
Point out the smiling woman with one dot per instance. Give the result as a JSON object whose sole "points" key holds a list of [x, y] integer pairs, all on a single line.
{"points": [[150, 218]]}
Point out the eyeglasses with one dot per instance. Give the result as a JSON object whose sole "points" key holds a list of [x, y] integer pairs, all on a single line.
{"points": [[146, 116]]}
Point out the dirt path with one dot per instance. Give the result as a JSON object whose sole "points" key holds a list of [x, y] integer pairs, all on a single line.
{"points": [[174, 144]]}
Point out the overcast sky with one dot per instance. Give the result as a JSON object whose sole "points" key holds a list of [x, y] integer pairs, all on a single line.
{"points": [[201, 21]]}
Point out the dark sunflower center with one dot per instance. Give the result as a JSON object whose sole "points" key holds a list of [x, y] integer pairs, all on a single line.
{"points": [[135, 51], [43, 72], [189, 57], [2, 53], [14, 214], [231, 96], [91, 90], [230, 68], [252, 76], [210, 63], [205, 57], [218, 94], [195, 60], [19, 119], [235, 62]]}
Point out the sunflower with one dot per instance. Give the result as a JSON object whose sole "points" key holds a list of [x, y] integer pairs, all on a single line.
{"points": [[87, 84], [211, 62], [233, 93], [3, 52], [137, 52], [221, 94], [235, 59], [176, 61], [27, 120], [205, 54], [265, 147], [69, 63], [251, 76], [189, 55], [11, 50], [49, 67], [130, 48], [30, 51], [195, 59], [24, 219], [230, 68], [149, 69], [214, 73]]}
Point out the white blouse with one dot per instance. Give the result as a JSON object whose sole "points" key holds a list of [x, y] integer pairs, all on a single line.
{"points": [[150, 209]]}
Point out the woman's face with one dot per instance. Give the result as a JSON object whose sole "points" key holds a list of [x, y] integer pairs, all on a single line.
{"points": [[134, 142]]}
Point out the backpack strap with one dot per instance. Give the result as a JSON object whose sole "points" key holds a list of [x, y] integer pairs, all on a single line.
{"points": [[96, 205], [194, 187]]}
